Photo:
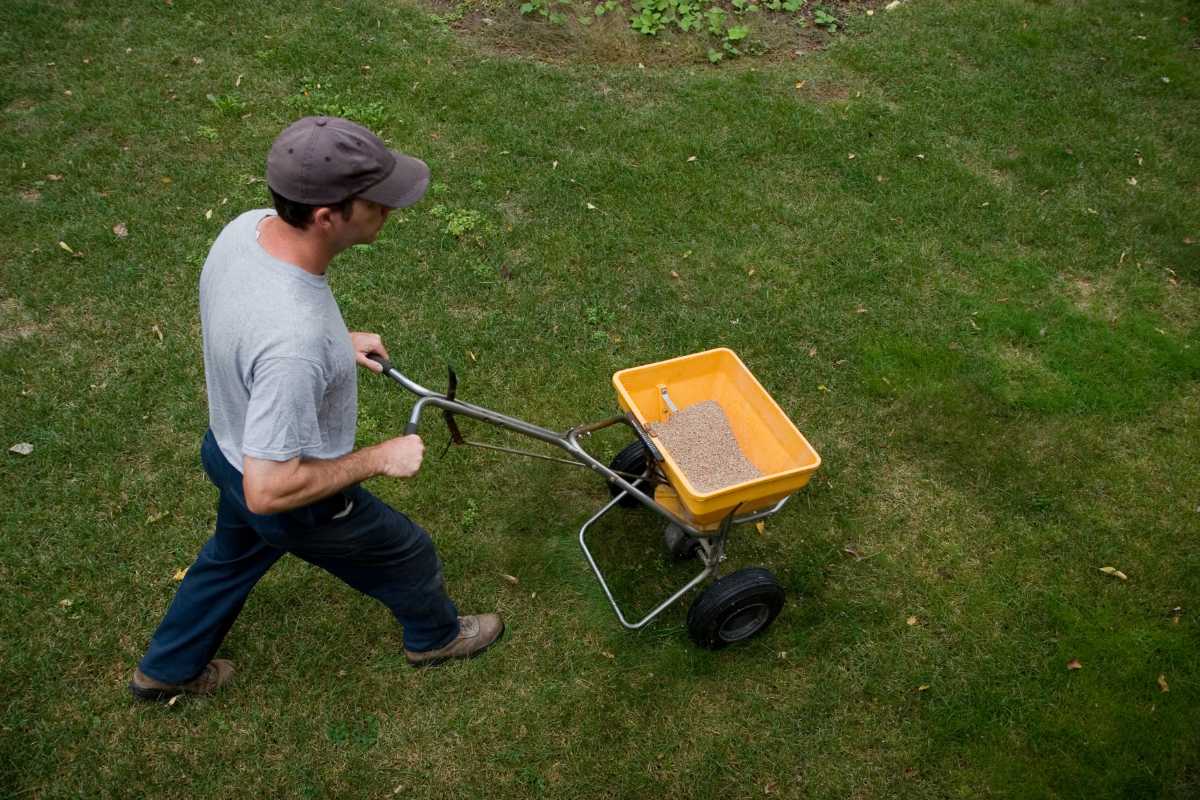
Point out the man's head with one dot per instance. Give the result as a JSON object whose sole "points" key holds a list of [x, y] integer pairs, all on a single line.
{"points": [[333, 163]]}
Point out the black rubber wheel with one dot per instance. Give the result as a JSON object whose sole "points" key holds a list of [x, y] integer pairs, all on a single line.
{"points": [[679, 544], [735, 608], [631, 461]]}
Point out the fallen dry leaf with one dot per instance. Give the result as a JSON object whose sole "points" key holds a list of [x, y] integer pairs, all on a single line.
{"points": [[852, 550], [174, 699], [180, 574], [471, 356], [924, 687], [1162, 683], [674, 274], [120, 230], [157, 332], [1132, 181], [591, 207], [1074, 664], [607, 654], [510, 578], [912, 620], [691, 159], [21, 448], [66, 247], [800, 84], [761, 527], [54, 177], [65, 603], [153, 518], [851, 155], [1116, 573], [208, 214]]}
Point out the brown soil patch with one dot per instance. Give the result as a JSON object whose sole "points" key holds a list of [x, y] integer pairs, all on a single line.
{"points": [[497, 27], [1094, 296], [31, 196], [824, 91], [16, 323]]}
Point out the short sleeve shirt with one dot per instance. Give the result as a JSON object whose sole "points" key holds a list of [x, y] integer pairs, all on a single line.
{"points": [[278, 362]]}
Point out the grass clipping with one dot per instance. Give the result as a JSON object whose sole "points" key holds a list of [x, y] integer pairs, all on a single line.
{"points": [[702, 443]]}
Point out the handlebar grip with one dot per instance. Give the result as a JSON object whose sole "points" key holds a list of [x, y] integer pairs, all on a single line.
{"points": [[410, 429], [381, 361]]}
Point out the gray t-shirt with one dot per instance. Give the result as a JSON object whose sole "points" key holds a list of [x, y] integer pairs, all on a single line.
{"points": [[278, 360]]}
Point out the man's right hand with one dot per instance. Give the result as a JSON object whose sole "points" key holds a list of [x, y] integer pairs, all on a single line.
{"points": [[400, 457]]}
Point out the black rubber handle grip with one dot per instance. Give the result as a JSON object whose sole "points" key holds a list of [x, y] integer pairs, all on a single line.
{"points": [[381, 361], [410, 429]]}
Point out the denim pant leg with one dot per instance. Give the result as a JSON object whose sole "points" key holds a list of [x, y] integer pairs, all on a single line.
{"points": [[383, 554], [209, 599], [374, 549]]}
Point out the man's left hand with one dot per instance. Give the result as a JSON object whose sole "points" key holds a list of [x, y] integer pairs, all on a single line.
{"points": [[365, 343]]}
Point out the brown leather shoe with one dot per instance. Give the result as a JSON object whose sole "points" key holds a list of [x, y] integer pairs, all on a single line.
{"points": [[475, 635], [216, 674]]}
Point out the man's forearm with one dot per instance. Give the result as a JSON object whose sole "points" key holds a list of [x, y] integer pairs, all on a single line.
{"points": [[287, 485]]}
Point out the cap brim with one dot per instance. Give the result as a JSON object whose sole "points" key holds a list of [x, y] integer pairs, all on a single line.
{"points": [[404, 186]]}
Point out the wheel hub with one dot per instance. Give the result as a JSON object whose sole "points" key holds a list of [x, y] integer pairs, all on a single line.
{"points": [[744, 623]]}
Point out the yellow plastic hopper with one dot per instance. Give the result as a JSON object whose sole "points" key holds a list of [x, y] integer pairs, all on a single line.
{"points": [[766, 436]]}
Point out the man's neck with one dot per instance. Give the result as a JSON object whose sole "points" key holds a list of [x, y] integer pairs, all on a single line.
{"points": [[293, 245]]}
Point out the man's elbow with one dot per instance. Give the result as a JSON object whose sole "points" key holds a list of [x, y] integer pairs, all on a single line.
{"points": [[270, 486], [259, 500]]}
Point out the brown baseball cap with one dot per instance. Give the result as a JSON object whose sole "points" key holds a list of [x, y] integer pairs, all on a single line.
{"points": [[325, 160]]}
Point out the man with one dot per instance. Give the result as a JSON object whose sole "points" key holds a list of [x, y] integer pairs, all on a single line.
{"points": [[282, 394]]}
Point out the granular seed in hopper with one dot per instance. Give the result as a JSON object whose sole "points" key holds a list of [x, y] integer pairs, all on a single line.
{"points": [[703, 445]]}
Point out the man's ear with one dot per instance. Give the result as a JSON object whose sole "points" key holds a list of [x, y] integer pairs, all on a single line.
{"points": [[323, 218]]}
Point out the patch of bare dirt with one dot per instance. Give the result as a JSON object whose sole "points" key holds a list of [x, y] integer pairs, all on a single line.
{"points": [[497, 27], [16, 323]]}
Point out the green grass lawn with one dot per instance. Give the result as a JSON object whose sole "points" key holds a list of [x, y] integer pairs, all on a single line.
{"points": [[959, 246]]}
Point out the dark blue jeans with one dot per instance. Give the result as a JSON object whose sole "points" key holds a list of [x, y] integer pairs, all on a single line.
{"points": [[372, 547]]}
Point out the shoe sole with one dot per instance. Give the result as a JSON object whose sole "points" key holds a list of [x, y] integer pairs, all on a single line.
{"points": [[152, 695], [437, 662]]}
